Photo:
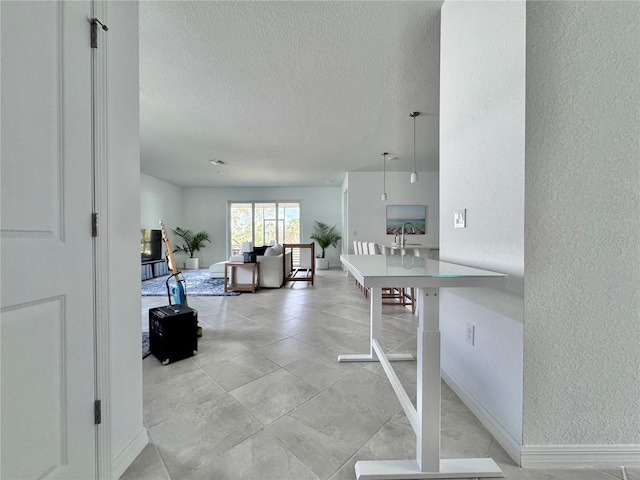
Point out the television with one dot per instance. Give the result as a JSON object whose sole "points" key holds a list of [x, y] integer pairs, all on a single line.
{"points": [[150, 245]]}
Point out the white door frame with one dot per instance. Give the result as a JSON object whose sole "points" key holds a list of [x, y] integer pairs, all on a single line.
{"points": [[100, 244]]}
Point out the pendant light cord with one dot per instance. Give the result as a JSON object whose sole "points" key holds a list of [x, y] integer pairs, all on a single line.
{"points": [[414, 174], [414, 143], [384, 173], [384, 176]]}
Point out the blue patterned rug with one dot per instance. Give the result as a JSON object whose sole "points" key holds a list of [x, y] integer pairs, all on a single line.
{"points": [[199, 284], [145, 345]]}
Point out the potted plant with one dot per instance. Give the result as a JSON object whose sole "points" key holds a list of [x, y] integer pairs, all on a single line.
{"points": [[191, 243], [326, 237]]}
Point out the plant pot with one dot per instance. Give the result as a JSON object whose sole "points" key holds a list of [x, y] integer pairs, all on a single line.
{"points": [[322, 263], [191, 263]]}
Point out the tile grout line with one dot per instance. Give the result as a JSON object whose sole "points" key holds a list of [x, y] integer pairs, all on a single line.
{"points": [[232, 397], [319, 393], [263, 426], [164, 464], [365, 443]]}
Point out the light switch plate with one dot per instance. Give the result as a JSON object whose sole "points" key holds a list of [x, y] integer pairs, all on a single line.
{"points": [[470, 333], [460, 218]]}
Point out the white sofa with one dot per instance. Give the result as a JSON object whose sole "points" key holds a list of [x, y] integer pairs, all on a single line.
{"points": [[271, 268]]}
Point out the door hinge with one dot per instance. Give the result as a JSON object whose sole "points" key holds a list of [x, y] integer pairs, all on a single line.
{"points": [[94, 224], [94, 31], [97, 412]]}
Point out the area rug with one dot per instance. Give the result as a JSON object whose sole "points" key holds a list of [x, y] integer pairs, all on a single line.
{"points": [[145, 345], [199, 284]]}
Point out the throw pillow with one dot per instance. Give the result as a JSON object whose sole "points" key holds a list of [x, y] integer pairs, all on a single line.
{"points": [[270, 252], [260, 250]]}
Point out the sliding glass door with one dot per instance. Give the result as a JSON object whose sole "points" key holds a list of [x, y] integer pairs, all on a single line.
{"points": [[263, 223]]}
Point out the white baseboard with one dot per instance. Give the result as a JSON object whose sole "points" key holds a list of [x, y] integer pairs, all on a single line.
{"points": [[545, 456], [558, 456], [505, 439], [126, 457]]}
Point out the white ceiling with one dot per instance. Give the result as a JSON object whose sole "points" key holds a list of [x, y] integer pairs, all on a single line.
{"points": [[286, 93]]}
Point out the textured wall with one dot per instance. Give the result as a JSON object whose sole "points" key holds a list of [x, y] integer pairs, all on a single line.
{"points": [[582, 294], [159, 200], [482, 99]]}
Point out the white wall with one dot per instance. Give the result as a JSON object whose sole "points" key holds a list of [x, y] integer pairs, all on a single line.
{"points": [[207, 209], [367, 213], [482, 125], [122, 230], [160, 200], [346, 235], [582, 295]]}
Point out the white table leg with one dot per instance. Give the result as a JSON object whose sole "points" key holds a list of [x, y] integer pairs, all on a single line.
{"points": [[428, 380], [428, 463], [375, 313]]}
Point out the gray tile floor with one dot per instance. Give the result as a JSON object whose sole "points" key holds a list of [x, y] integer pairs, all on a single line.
{"points": [[266, 399]]}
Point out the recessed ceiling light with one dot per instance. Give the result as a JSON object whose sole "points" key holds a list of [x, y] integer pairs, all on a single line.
{"points": [[329, 181], [393, 157], [217, 162]]}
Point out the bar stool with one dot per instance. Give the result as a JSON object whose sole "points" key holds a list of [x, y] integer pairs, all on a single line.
{"points": [[410, 293], [392, 295], [357, 247]]}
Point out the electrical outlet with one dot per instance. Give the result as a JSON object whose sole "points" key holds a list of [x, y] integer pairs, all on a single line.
{"points": [[469, 333]]}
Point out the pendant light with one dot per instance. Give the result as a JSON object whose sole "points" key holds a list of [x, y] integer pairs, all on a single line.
{"points": [[414, 174], [384, 176]]}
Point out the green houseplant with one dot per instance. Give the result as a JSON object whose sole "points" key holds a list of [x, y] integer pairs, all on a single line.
{"points": [[191, 243], [325, 236]]}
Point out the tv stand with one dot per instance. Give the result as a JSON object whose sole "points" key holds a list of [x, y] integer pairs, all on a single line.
{"points": [[153, 268]]}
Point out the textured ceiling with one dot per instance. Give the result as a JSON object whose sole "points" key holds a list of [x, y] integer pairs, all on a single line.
{"points": [[286, 93]]}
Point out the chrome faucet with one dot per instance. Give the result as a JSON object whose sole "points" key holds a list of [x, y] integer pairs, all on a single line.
{"points": [[413, 230]]}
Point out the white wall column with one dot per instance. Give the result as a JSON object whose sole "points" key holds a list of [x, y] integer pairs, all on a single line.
{"points": [[482, 125], [582, 227]]}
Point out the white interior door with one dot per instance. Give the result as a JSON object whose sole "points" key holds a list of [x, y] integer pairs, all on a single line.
{"points": [[47, 320]]}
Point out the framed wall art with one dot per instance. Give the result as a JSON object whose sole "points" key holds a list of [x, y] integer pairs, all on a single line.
{"points": [[412, 215]]}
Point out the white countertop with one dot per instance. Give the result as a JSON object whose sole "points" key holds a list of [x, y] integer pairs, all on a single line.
{"points": [[410, 271]]}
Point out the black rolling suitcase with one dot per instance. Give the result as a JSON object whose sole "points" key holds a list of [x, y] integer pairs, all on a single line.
{"points": [[173, 332]]}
